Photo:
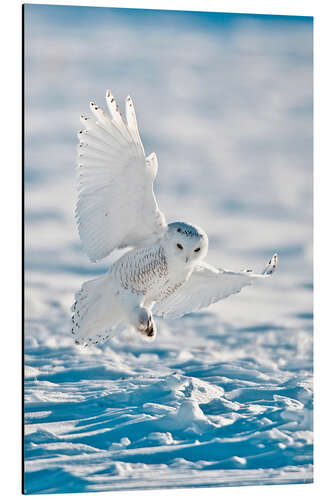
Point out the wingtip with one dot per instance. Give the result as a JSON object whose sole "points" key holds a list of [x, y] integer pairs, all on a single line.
{"points": [[110, 100], [271, 265], [108, 95], [93, 105]]}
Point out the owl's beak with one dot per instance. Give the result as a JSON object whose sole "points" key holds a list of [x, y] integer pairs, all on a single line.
{"points": [[187, 259]]}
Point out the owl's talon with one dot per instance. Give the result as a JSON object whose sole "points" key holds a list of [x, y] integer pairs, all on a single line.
{"points": [[150, 328], [150, 332], [147, 328]]}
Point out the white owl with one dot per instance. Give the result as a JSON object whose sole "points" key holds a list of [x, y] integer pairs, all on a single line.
{"points": [[161, 270]]}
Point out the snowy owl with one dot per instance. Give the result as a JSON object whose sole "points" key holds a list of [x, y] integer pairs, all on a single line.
{"points": [[161, 269]]}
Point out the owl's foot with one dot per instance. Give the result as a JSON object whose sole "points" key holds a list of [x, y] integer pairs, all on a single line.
{"points": [[148, 329], [142, 321]]}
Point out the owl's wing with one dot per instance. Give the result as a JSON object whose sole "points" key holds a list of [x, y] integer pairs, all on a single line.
{"points": [[208, 285], [116, 206]]}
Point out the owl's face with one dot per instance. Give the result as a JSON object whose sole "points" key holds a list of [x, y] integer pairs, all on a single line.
{"points": [[186, 243]]}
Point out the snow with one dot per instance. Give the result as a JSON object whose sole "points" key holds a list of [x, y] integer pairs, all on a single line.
{"points": [[224, 396]]}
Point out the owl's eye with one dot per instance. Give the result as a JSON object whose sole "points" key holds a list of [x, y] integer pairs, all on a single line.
{"points": [[197, 249], [180, 246]]}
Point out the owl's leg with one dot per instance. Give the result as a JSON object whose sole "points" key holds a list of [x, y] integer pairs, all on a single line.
{"points": [[142, 320], [147, 328]]}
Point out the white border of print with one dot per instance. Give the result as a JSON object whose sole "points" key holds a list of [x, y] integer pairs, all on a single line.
{"points": [[10, 246]]}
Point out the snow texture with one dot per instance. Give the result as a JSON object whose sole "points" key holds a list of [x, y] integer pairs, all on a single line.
{"points": [[224, 396]]}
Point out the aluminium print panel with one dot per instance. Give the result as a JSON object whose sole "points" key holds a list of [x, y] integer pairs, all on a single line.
{"points": [[163, 376]]}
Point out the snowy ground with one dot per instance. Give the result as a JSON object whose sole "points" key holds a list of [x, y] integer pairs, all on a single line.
{"points": [[221, 397]]}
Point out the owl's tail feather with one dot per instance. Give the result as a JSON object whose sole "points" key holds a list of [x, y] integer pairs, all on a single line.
{"points": [[95, 312]]}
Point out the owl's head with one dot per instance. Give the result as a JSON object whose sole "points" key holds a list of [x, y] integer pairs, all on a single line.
{"points": [[186, 242]]}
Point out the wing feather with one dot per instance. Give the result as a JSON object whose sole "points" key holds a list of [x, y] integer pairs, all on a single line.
{"points": [[132, 123], [206, 286], [116, 206]]}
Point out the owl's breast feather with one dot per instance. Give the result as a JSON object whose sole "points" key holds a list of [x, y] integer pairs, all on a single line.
{"points": [[147, 272], [141, 270]]}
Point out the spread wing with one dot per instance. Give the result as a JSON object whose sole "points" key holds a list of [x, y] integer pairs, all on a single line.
{"points": [[206, 286], [116, 205]]}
